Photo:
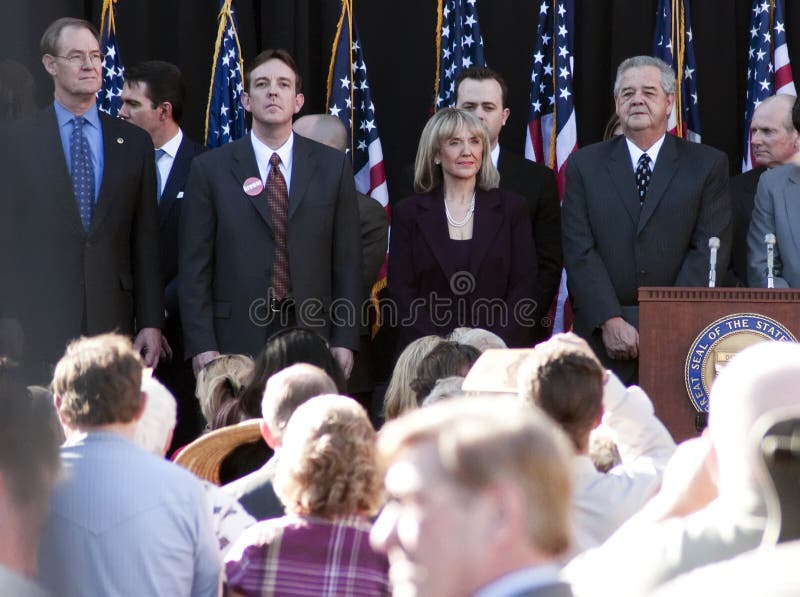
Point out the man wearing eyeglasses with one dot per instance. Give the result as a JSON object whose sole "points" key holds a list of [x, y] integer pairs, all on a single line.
{"points": [[79, 214]]}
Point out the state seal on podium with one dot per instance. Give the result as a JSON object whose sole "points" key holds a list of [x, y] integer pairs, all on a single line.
{"points": [[718, 343]]}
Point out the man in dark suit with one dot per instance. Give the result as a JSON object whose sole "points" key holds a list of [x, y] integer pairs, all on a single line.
{"points": [[484, 92], [330, 131], [470, 484], [773, 142], [153, 99], [269, 232], [639, 210], [80, 212]]}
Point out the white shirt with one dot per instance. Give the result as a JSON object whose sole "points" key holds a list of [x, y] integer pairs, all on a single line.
{"points": [[264, 153], [603, 501], [521, 581], [495, 153], [652, 152], [164, 163]]}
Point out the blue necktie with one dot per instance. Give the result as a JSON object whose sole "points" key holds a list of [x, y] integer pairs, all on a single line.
{"points": [[82, 172], [643, 174], [159, 154]]}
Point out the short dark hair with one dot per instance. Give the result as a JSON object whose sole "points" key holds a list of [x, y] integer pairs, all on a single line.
{"points": [[49, 42], [796, 115], [568, 386], [163, 82], [446, 359], [481, 73], [29, 440], [98, 381], [273, 54]]}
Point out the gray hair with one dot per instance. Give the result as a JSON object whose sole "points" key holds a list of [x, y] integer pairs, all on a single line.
{"points": [[158, 418], [667, 74], [49, 42]]}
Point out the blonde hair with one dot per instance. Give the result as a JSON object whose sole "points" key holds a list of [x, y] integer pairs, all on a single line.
{"points": [[220, 380], [442, 126], [399, 396], [484, 440], [327, 466]]}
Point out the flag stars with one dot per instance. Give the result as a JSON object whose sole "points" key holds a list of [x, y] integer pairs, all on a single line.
{"points": [[687, 72], [345, 81], [778, 28], [767, 37], [562, 51], [538, 57], [334, 110], [562, 31], [765, 84], [543, 8], [564, 93]]}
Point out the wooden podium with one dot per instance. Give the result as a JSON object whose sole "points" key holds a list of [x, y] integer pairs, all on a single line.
{"points": [[670, 319]]}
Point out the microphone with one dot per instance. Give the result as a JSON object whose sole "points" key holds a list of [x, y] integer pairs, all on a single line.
{"points": [[713, 245], [770, 240]]}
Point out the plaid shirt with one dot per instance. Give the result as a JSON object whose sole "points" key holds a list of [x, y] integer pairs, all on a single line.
{"points": [[296, 555]]}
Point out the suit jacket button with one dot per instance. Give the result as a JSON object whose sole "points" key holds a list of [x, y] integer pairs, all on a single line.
{"points": [[642, 272]]}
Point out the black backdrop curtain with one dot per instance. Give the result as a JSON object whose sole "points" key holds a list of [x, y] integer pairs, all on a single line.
{"points": [[399, 46]]}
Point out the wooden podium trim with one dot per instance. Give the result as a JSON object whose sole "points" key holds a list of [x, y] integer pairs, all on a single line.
{"points": [[734, 295]]}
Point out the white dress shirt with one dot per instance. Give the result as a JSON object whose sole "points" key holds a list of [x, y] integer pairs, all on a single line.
{"points": [[652, 152], [164, 163], [264, 153]]}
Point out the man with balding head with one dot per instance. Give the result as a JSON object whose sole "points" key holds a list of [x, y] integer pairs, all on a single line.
{"points": [[285, 391], [330, 131], [776, 212], [773, 142]]}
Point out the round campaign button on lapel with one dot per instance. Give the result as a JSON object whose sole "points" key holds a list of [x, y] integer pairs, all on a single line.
{"points": [[253, 186], [120, 140]]}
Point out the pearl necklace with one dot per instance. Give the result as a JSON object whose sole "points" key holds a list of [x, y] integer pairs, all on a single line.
{"points": [[460, 223]]}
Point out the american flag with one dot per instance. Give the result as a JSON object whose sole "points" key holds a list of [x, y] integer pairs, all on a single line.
{"points": [[552, 130], [224, 112], [459, 46], [768, 69], [109, 98], [350, 100], [673, 44]]}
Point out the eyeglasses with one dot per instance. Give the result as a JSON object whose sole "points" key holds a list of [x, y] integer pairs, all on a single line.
{"points": [[79, 59]]}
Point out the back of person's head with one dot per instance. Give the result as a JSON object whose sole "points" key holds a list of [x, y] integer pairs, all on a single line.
{"points": [[322, 128], [566, 381], [154, 429], [29, 441], [760, 379], [287, 347], [478, 337], [444, 360], [163, 82], [399, 396], [483, 441], [444, 388], [289, 388], [219, 386], [98, 382], [327, 467]]}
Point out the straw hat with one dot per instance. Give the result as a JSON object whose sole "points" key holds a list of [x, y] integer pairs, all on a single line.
{"points": [[496, 371], [204, 455]]}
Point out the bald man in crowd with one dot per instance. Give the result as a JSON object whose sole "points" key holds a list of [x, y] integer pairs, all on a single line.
{"points": [[773, 141]]}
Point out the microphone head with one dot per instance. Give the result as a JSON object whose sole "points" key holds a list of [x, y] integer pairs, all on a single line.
{"points": [[769, 239], [713, 243]]}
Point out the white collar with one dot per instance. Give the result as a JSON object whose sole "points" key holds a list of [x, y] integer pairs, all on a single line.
{"points": [[264, 153], [495, 153], [171, 147], [652, 151]]}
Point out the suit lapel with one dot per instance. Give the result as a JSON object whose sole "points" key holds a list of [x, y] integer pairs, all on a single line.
{"points": [[790, 196], [116, 144], [621, 172], [303, 165], [178, 173], [245, 166], [662, 175], [488, 219], [46, 141], [433, 226]]}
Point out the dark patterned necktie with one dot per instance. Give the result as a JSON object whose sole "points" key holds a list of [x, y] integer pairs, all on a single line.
{"points": [[278, 201], [82, 172], [643, 174]]}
